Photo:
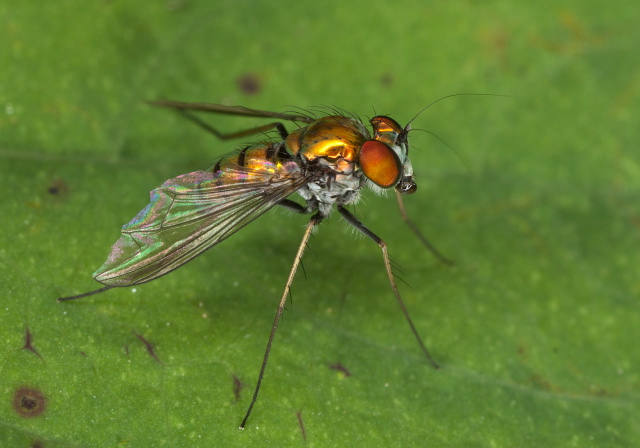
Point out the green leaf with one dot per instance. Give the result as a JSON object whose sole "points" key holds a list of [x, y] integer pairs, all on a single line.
{"points": [[535, 326]]}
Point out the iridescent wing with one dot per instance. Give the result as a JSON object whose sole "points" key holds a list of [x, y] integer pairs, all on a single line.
{"points": [[191, 213]]}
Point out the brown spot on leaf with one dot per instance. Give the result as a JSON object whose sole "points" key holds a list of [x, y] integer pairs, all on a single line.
{"points": [[37, 444], [340, 368], [237, 388], [58, 188], [522, 352], [28, 342], [249, 84], [149, 346], [176, 5], [542, 382], [301, 423], [386, 79], [29, 402]]}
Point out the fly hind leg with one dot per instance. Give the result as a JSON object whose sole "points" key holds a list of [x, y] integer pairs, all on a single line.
{"points": [[232, 135], [185, 109]]}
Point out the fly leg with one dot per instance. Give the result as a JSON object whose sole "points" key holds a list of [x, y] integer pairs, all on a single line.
{"points": [[185, 109], [346, 214], [314, 221], [419, 234], [295, 207], [243, 133], [231, 110], [86, 294]]}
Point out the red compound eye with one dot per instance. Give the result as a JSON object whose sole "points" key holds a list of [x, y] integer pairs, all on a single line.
{"points": [[380, 164]]}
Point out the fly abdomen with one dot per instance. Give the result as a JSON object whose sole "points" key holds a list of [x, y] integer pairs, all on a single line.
{"points": [[259, 158]]}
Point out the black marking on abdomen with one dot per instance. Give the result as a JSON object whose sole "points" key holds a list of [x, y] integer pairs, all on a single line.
{"points": [[241, 156]]}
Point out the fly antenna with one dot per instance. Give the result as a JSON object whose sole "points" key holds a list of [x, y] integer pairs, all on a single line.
{"points": [[407, 128], [86, 294], [444, 142]]}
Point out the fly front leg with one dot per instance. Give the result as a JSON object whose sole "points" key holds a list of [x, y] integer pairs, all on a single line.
{"points": [[314, 221], [348, 216], [419, 234]]}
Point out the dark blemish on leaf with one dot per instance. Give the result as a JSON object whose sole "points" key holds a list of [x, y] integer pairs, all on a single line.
{"points": [[149, 347], [29, 402], [542, 382], [28, 342], [237, 388], [176, 5], [575, 40], [58, 188], [126, 350], [249, 84], [522, 353], [340, 368], [83, 354], [304, 432], [598, 391], [496, 43], [386, 79], [37, 444]]}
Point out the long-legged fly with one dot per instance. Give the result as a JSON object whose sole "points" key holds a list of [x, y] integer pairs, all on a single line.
{"points": [[327, 162]]}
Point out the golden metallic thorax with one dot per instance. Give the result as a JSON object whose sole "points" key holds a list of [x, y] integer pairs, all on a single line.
{"points": [[330, 137]]}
